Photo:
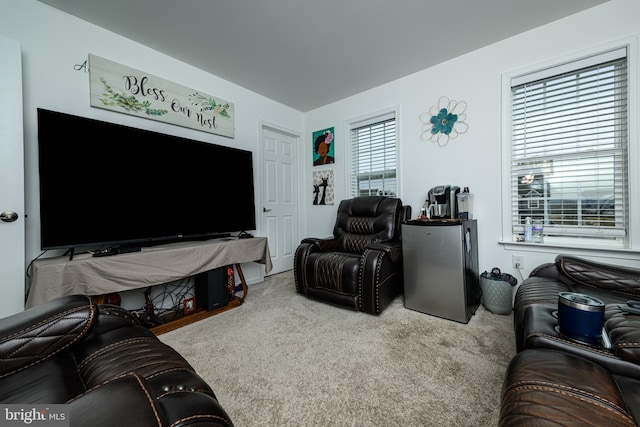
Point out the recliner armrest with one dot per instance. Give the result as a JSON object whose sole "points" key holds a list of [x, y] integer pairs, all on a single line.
{"points": [[394, 249], [42, 331], [324, 245]]}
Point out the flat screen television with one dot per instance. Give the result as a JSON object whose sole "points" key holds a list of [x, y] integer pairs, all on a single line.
{"points": [[107, 184]]}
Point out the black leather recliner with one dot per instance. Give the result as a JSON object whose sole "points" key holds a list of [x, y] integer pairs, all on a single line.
{"points": [[108, 369], [361, 266]]}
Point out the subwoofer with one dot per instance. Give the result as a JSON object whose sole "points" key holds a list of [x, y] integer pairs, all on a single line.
{"points": [[211, 289]]}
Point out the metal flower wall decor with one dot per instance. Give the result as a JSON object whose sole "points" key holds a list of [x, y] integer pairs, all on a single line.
{"points": [[444, 121]]}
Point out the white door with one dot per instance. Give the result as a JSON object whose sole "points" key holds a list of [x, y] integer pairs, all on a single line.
{"points": [[12, 253], [280, 189]]}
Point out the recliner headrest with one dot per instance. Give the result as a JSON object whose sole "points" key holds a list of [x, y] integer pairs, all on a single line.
{"points": [[367, 219]]}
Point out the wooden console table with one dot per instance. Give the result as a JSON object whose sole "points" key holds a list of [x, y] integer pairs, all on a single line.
{"points": [[87, 275]]}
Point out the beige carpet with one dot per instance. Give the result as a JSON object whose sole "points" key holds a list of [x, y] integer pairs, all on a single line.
{"points": [[281, 359]]}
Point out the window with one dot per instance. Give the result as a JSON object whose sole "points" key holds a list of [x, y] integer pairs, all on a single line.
{"points": [[569, 144], [373, 157]]}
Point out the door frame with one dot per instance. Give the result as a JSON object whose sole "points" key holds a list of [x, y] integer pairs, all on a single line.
{"points": [[299, 206], [12, 196]]}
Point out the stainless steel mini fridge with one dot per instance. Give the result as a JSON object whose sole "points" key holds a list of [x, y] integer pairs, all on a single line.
{"points": [[441, 274]]}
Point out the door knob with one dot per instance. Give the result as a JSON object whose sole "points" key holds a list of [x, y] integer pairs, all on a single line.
{"points": [[266, 210], [8, 216]]}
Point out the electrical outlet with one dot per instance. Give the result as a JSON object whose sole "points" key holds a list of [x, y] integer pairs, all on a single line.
{"points": [[517, 261]]}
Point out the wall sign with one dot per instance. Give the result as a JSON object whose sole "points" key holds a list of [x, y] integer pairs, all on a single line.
{"points": [[119, 88]]}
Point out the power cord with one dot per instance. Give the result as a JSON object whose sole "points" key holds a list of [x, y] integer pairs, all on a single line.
{"points": [[520, 274]]}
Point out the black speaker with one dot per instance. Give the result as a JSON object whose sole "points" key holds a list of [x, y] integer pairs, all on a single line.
{"points": [[211, 289]]}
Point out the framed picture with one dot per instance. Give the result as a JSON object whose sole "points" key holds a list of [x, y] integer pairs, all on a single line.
{"points": [[189, 305], [323, 147], [323, 187]]}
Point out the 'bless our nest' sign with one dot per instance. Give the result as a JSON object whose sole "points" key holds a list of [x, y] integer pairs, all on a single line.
{"points": [[119, 88]]}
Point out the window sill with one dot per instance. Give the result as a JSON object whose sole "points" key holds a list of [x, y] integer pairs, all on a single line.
{"points": [[587, 248]]}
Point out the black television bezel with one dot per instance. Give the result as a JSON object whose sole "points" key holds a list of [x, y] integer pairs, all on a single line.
{"points": [[47, 242]]}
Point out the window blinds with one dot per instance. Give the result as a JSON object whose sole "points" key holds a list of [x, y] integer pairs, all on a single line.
{"points": [[569, 149], [373, 157]]}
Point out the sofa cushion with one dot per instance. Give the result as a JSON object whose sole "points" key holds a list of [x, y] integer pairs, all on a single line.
{"points": [[335, 271]]}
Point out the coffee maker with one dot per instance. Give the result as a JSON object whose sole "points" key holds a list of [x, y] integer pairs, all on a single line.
{"points": [[442, 202]]}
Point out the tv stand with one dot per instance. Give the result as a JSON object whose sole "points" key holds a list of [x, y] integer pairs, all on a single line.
{"points": [[86, 275]]}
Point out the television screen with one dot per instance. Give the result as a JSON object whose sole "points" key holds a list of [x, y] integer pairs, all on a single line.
{"points": [[103, 183]]}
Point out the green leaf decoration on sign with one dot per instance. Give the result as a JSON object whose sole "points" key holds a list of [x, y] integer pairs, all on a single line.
{"points": [[209, 104], [129, 102]]}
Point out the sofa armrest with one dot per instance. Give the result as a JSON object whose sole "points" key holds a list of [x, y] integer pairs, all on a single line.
{"points": [[624, 333], [548, 270], [43, 331], [613, 278], [129, 400]]}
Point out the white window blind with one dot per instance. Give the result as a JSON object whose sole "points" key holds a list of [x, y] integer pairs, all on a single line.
{"points": [[373, 157], [569, 149]]}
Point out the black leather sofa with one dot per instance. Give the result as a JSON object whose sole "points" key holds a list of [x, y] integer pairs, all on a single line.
{"points": [[106, 368], [556, 381]]}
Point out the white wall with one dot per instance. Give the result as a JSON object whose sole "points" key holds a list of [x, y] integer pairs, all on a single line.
{"points": [[474, 158], [53, 42]]}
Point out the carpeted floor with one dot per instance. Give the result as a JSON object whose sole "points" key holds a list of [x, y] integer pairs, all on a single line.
{"points": [[282, 359]]}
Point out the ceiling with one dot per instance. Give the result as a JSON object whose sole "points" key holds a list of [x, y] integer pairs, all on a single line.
{"points": [[310, 53]]}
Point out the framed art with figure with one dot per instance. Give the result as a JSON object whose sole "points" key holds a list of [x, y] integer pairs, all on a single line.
{"points": [[323, 186], [323, 147]]}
